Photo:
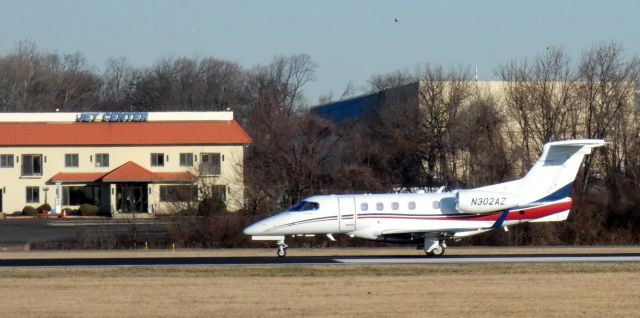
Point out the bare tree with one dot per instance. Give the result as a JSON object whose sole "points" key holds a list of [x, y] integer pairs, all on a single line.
{"points": [[75, 86], [607, 94], [20, 71], [442, 96], [483, 158], [391, 80], [348, 92], [117, 82], [222, 84], [277, 87], [395, 138], [189, 84], [289, 149], [540, 98], [295, 162], [31, 80]]}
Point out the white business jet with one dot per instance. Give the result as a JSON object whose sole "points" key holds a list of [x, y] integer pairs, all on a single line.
{"points": [[431, 218]]}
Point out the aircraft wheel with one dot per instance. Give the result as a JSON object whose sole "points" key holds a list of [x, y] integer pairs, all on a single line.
{"points": [[434, 247], [282, 252], [438, 251], [282, 249]]}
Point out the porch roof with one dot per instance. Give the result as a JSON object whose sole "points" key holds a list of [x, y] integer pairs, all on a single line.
{"points": [[128, 172], [67, 177]]}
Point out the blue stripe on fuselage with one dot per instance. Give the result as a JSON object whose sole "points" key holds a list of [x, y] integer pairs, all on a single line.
{"points": [[501, 219], [558, 194]]}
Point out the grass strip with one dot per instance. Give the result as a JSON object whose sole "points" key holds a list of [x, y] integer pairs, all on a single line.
{"points": [[319, 271]]}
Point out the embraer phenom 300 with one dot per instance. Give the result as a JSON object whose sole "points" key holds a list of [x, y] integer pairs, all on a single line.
{"points": [[432, 218]]}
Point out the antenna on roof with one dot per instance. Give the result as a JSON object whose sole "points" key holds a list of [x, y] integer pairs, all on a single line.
{"points": [[476, 72]]}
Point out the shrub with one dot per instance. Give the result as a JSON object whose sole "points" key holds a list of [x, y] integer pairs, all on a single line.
{"points": [[211, 206], [45, 208], [88, 210], [29, 210]]}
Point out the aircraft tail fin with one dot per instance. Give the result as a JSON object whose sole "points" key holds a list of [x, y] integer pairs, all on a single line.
{"points": [[551, 177]]}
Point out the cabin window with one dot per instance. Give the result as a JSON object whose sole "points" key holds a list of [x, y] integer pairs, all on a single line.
{"points": [[364, 206], [412, 205], [379, 206], [304, 206], [395, 206], [436, 205]]}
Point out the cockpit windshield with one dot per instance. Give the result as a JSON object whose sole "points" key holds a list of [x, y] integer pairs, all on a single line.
{"points": [[304, 206]]}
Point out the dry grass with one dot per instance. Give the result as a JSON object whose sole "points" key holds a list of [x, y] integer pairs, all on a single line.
{"points": [[269, 252], [550, 290]]}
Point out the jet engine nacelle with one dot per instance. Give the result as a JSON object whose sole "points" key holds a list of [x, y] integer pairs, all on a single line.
{"points": [[473, 201]]}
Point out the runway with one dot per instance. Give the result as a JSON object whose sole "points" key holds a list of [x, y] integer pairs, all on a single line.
{"points": [[319, 260]]}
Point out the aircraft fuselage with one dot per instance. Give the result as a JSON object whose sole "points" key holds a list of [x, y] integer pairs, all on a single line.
{"points": [[374, 216]]}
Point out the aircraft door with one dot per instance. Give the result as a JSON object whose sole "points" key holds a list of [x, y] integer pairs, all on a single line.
{"points": [[347, 215]]}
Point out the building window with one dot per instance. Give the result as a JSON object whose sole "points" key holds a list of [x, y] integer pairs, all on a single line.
{"points": [[412, 205], [33, 194], [210, 164], [178, 193], [219, 192], [31, 165], [77, 195], [6, 161], [186, 160], [71, 160], [157, 160], [395, 206], [364, 206], [102, 160]]}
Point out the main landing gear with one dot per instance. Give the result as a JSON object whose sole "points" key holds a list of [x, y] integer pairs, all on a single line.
{"points": [[434, 247], [282, 248]]}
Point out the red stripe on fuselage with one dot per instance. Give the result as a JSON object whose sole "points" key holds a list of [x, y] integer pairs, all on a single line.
{"points": [[539, 212]]}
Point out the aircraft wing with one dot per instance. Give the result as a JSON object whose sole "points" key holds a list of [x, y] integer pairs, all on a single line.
{"points": [[418, 230], [496, 225]]}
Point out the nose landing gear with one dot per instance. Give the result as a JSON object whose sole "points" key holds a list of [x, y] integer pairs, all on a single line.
{"points": [[434, 247], [282, 249]]}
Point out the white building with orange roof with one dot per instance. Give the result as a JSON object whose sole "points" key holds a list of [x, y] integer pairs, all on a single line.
{"points": [[121, 162]]}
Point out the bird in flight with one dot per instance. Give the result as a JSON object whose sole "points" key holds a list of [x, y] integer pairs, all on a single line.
{"points": [[395, 20]]}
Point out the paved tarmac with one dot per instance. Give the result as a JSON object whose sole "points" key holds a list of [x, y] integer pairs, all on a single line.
{"points": [[21, 231], [320, 260]]}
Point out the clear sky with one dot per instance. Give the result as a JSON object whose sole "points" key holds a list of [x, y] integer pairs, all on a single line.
{"points": [[349, 40]]}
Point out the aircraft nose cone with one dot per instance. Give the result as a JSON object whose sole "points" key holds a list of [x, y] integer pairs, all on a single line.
{"points": [[252, 229]]}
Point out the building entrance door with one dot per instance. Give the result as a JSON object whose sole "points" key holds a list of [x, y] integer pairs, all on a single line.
{"points": [[132, 197], [1, 201]]}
